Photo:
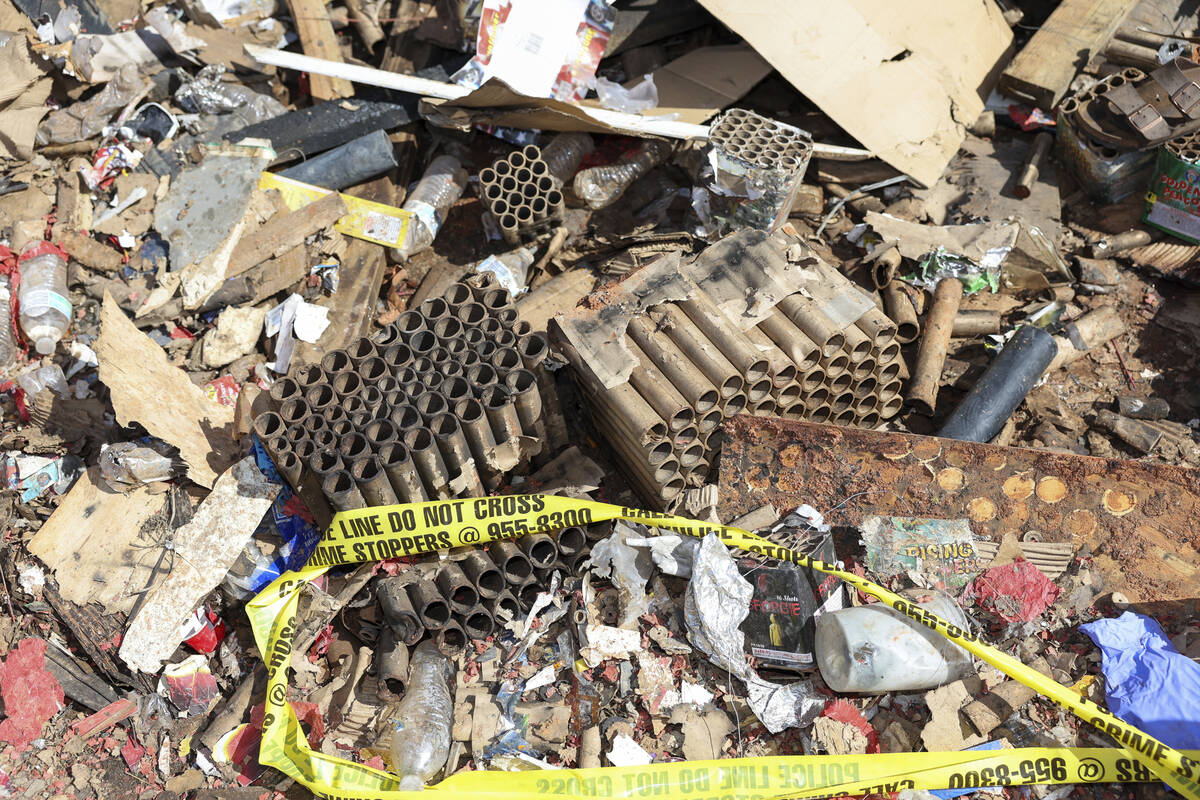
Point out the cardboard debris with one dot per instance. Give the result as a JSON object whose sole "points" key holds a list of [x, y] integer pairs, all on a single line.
{"points": [[22, 98], [147, 390], [203, 550]]}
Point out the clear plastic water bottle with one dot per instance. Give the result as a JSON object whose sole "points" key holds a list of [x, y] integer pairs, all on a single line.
{"points": [[875, 649], [431, 198], [8, 343], [46, 310], [38, 379], [601, 186], [423, 720], [564, 153]]}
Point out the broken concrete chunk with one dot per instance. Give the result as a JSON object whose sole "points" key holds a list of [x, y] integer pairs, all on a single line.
{"points": [[235, 335]]}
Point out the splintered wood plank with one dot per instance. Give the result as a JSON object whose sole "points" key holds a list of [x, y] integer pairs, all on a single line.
{"points": [[1075, 31], [318, 40]]}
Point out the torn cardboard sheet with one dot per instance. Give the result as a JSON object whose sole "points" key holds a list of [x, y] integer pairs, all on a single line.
{"points": [[148, 390], [22, 98], [903, 82], [203, 551], [109, 556], [700, 83]]}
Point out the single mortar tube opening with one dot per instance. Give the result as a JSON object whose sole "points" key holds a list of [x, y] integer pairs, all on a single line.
{"points": [[478, 624], [335, 361], [409, 322]]}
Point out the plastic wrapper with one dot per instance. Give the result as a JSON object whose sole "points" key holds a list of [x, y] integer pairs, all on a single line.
{"points": [[208, 94], [8, 343], [125, 465], [642, 97], [87, 118], [421, 741], [37, 380], [564, 153], [602, 186], [439, 187], [941, 263], [716, 603], [627, 567], [754, 168]]}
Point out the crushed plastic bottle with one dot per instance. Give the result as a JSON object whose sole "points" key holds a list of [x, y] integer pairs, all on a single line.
{"points": [[564, 153], [437, 190], [46, 311], [38, 379], [876, 649], [8, 341], [511, 269], [423, 720], [601, 186]]}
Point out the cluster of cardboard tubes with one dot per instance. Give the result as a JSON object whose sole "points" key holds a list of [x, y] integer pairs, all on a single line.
{"points": [[521, 194]]}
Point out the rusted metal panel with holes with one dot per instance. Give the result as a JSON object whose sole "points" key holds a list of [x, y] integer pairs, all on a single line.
{"points": [[1140, 520]]}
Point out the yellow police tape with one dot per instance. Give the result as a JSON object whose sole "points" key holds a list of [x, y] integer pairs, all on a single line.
{"points": [[371, 534]]}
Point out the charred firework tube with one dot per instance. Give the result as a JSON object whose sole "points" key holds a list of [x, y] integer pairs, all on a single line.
{"points": [[447, 329], [336, 361], [571, 541], [923, 388], [821, 413], [310, 375], [496, 299], [372, 400], [433, 309], [432, 381], [387, 336], [398, 610], [456, 588], [522, 386], [732, 343], [844, 418], [372, 370], [409, 323], [868, 420], [505, 360], [890, 408], [692, 454], [682, 374], [890, 390], [373, 482], [456, 453], [484, 574], [782, 369], [430, 404], [863, 369], [858, 344], [534, 348], [886, 373], [405, 418], [763, 408], [477, 623], [878, 327], [319, 398], [636, 416], [360, 350], [794, 342], [527, 592], [513, 564], [506, 606], [1033, 163], [391, 662], [477, 429], [902, 312], [429, 604], [450, 639], [455, 389], [482, 376], [501, 413], [428, 460], [539, 548], [353, 447], [402, 473], [842, 402], [818, 397], [701, 352], [656, 390], [283, 390], [758, 391], [789, 393], [710, 420], [325, 440], [398, 356], [864, 387], [422, 343], [270, 425], [975, 322], [342, 492], [293, 411], [887, 352], [697, 476], [732, 406], [814, 378], [650, 463], [685, 437], [350, 406], [809, 318], [866, 405], [325, 462]]}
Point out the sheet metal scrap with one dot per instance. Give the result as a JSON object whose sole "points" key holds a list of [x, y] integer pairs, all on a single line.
{"points": [[1137, 518]]}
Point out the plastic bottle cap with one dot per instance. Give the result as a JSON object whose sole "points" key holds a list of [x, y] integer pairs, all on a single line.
{"points": [[45, 346]]}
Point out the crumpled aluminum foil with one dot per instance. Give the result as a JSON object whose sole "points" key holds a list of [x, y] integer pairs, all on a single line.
{"points": [[716, 603]]}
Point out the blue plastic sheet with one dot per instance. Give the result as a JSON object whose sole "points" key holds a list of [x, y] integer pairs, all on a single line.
{"points": [[1148, 683]]}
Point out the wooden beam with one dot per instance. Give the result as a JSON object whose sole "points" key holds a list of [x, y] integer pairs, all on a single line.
{"points": [[317, 39], [1076, 30]]}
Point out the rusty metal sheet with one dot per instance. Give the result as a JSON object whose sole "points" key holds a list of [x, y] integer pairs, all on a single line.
{"points": [[1141, 520]]}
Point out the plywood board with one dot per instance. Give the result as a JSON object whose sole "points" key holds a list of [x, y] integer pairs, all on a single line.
{"points": [[905, 79]]}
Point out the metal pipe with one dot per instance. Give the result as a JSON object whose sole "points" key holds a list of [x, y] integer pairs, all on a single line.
{"points": [[687, 379], [817, 326], [428, 461], [794, 342], [931, 357], [398, 610], [699, 350], [458, 590], [478, 623], [342, 492], [722, 332], [513, 563], [373, 482], [902, 312], [782, 370], [402, 473], [484, 574], [429, 604], [456, 453], [477, 429]]}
